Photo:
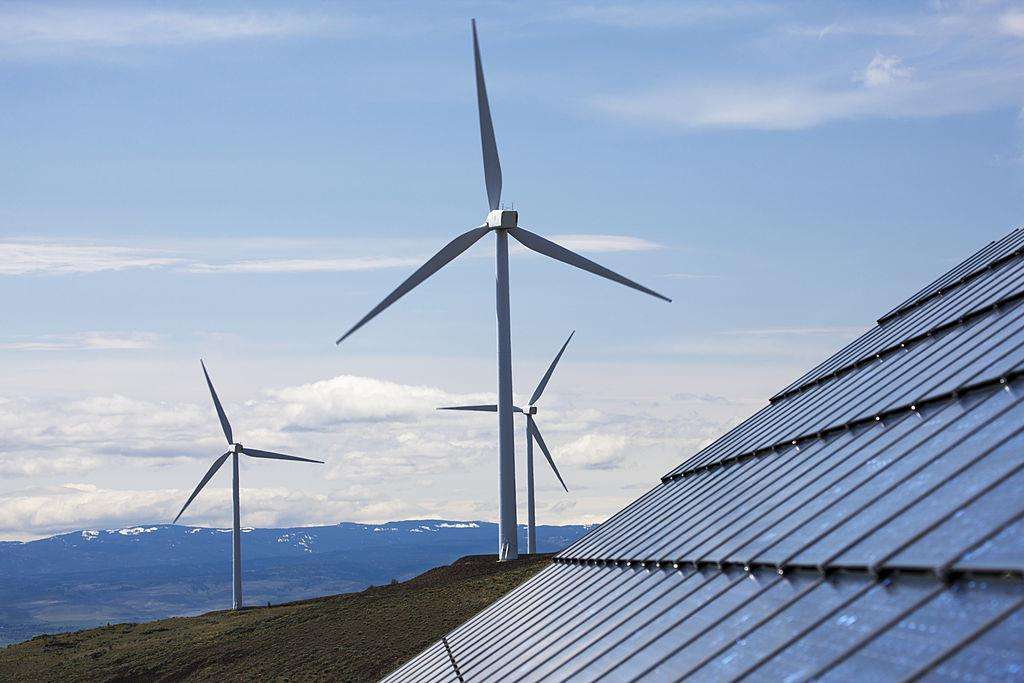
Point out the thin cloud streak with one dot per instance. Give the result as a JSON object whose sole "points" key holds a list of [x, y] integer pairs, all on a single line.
{"points": [[301, 265], [605, 243], [53, 258], [594, 244], [85, 341], [796, 331], [692, 276], [37, 29], [39, 258], [795, 105]]}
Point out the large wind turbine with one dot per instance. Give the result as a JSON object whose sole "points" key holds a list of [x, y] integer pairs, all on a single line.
{"points": [[502, 223], [532, 432], [234, 450]]}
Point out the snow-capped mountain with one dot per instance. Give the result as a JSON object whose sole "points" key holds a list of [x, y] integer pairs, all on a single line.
{"points": [[95, 576]]}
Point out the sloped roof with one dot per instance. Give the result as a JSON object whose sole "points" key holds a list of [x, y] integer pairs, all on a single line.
{"points": [[869, 521]]}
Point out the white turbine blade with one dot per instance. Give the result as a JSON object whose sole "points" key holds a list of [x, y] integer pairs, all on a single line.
{"points": [[436, 262], [212, 471], [256, 453], [560, 253], [484, 409], [551, 368], [224, 424], [492, 168], [547, 454]]}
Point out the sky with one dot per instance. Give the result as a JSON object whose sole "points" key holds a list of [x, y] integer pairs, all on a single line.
{"points": [[241, 182]]}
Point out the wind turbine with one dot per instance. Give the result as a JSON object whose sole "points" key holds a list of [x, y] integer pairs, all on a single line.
{"points": [[234, 450], [502, 223], [532, 432]]}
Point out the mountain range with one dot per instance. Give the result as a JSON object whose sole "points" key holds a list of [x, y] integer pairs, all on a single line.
{"points": [[97, 576]]}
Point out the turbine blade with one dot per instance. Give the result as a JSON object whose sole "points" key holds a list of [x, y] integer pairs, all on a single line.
{"points": [[560, 253], [547, 453], [484, 409], [436, 262], [224, 424], [492, 167], [212, 471], [551, 368], [256, 453]]}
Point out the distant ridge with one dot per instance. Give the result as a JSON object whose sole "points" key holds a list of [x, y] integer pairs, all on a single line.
{"points": [[142, 572]]}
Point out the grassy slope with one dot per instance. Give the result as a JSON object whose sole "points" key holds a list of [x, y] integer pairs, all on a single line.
{"points": [[352, 637]]}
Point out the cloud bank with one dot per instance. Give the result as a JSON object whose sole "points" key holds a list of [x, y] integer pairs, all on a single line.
{"points": [[374, 435]]}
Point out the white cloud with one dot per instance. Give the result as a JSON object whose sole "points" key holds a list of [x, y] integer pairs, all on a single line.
{"points": [[34, 258], [1012, 23], [604, 243], [349, 398], [885, 70], [85, 341], [83, 429], [306, 265], [383, 425], [63, 507], [42, 29], [595, 451], [794, 105]]}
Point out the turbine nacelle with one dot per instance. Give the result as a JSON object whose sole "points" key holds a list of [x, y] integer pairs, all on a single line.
{"points": [[237, 448], [502, 219], [531, 410]]}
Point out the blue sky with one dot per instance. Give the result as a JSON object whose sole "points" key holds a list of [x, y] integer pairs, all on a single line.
{"points": [[242, 182]]}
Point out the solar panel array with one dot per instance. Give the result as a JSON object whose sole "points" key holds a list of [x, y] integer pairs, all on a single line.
{"points": [[868, 522]]}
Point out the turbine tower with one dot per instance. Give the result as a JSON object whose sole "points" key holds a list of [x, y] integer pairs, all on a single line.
{"points": [[532, 432], [234, 450], [502, 223]]}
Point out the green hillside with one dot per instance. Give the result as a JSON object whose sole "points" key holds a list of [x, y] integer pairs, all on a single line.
{"points": [[351, 637]]}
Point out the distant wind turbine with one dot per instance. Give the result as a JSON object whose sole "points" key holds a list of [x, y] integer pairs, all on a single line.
{"points": [[532, 432], [503, 223], [235, 449]]}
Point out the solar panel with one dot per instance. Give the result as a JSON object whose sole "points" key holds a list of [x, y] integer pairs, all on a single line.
{"points": [[866, 524]]}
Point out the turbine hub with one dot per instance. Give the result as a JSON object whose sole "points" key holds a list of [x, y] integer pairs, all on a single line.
{"points": [[502, 218], [531, 410], [236, 448]]}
